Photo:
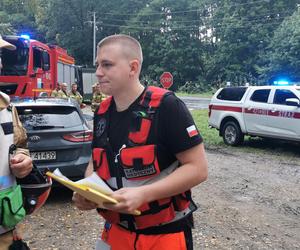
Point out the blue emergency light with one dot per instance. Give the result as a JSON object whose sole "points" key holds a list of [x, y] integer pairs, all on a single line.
{"points": [[281, 82], [25, 36]]}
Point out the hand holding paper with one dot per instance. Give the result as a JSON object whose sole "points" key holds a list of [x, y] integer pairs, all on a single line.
{"points": [[92, 188], [128, 199]]}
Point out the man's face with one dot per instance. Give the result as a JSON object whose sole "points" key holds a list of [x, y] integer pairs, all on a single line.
{"points": [[74, 88], [113, 69], [64, 87]]}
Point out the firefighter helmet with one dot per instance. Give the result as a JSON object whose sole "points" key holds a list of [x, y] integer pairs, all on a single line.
{"points": [[35, 189]]}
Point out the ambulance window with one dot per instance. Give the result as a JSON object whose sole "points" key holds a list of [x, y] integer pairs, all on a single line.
{"points": [[260, 95], [282, 94]]}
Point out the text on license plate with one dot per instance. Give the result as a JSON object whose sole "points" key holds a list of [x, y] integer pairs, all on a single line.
{"points": [[43, 155]]}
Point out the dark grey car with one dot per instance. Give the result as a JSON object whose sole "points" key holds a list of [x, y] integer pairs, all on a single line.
{"points": [[58, 134]]}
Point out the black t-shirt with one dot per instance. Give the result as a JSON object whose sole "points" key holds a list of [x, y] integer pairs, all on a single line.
{"points": [[175, 129]]}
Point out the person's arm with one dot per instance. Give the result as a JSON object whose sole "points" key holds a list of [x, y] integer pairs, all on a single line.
{"points": [[20, 162], [192, 172]]}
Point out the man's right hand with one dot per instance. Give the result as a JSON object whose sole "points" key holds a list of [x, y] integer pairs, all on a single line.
{"points": [[82, 203], [20, 165]]}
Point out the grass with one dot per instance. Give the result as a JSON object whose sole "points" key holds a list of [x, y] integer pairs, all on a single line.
{"points": [[251, 145], [210, 136], [208, 94]]}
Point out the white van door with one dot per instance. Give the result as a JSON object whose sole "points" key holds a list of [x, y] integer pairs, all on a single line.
{"points": [[284, 120], [256, 112]]}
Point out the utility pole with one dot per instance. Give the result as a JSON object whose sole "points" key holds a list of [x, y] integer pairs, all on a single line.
{"points": [[94, 25], [94, 37]]}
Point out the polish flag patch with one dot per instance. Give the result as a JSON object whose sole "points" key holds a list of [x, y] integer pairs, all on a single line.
{"points": [[192, 131]]}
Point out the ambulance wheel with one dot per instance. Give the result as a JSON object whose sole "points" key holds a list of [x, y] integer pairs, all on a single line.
{"points": [[232, 134]]}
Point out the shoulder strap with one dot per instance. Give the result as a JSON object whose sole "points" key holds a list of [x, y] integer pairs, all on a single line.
{"points": [[104, 106], [144, 123], [153, 97]]}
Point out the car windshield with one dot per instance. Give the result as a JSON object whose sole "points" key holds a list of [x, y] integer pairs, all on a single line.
{"points": [[47, 117], [15, 62]]}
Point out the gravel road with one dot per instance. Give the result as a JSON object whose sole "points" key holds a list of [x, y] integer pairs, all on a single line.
{"points": [[250, 201]]}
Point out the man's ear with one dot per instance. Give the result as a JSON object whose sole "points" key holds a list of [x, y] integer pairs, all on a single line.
{"points": [[134, 67]]}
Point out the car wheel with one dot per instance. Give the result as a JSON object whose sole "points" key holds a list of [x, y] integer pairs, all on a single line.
{"points": [[232, 134]]}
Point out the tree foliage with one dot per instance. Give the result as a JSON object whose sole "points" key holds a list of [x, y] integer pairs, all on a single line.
{"points": [[204, 43], [284, 50], [242, 32]]}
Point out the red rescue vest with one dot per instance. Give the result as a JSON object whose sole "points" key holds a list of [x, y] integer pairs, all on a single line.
{"points": [[137, 164]]}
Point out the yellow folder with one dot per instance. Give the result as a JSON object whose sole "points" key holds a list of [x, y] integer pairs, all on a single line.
{"points": [[87, 192]]}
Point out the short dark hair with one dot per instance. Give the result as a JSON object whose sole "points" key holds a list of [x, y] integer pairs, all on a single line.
{"points": [[134, 47]]}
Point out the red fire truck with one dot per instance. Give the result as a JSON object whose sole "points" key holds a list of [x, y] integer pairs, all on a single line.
{"points": [[34, 68]]}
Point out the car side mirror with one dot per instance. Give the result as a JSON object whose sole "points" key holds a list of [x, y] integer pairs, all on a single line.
{"points": [[292, 102]]}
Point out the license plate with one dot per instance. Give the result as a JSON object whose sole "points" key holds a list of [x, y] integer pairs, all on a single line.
{"points": [[43, 155]]}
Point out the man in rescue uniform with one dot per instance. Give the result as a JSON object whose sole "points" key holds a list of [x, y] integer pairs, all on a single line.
{"points": [[63, 92], [147, 148], [98, 97], [75, 94], [54, 93], [15, 162]]}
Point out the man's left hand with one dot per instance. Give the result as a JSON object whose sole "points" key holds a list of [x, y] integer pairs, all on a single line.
{"points": [[20, 165], [129, 199]]}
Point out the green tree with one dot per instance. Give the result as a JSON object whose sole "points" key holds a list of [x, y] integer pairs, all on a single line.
{"points": [[171, 40], [242, 31], [69, 24], [6, 27], [202, 42], [283, 57], [19, 16]]}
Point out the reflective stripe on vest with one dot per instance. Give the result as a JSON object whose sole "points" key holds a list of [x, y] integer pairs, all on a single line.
{"points": [[7, 137], [112, 182], [137, 165], [7, 180]]}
